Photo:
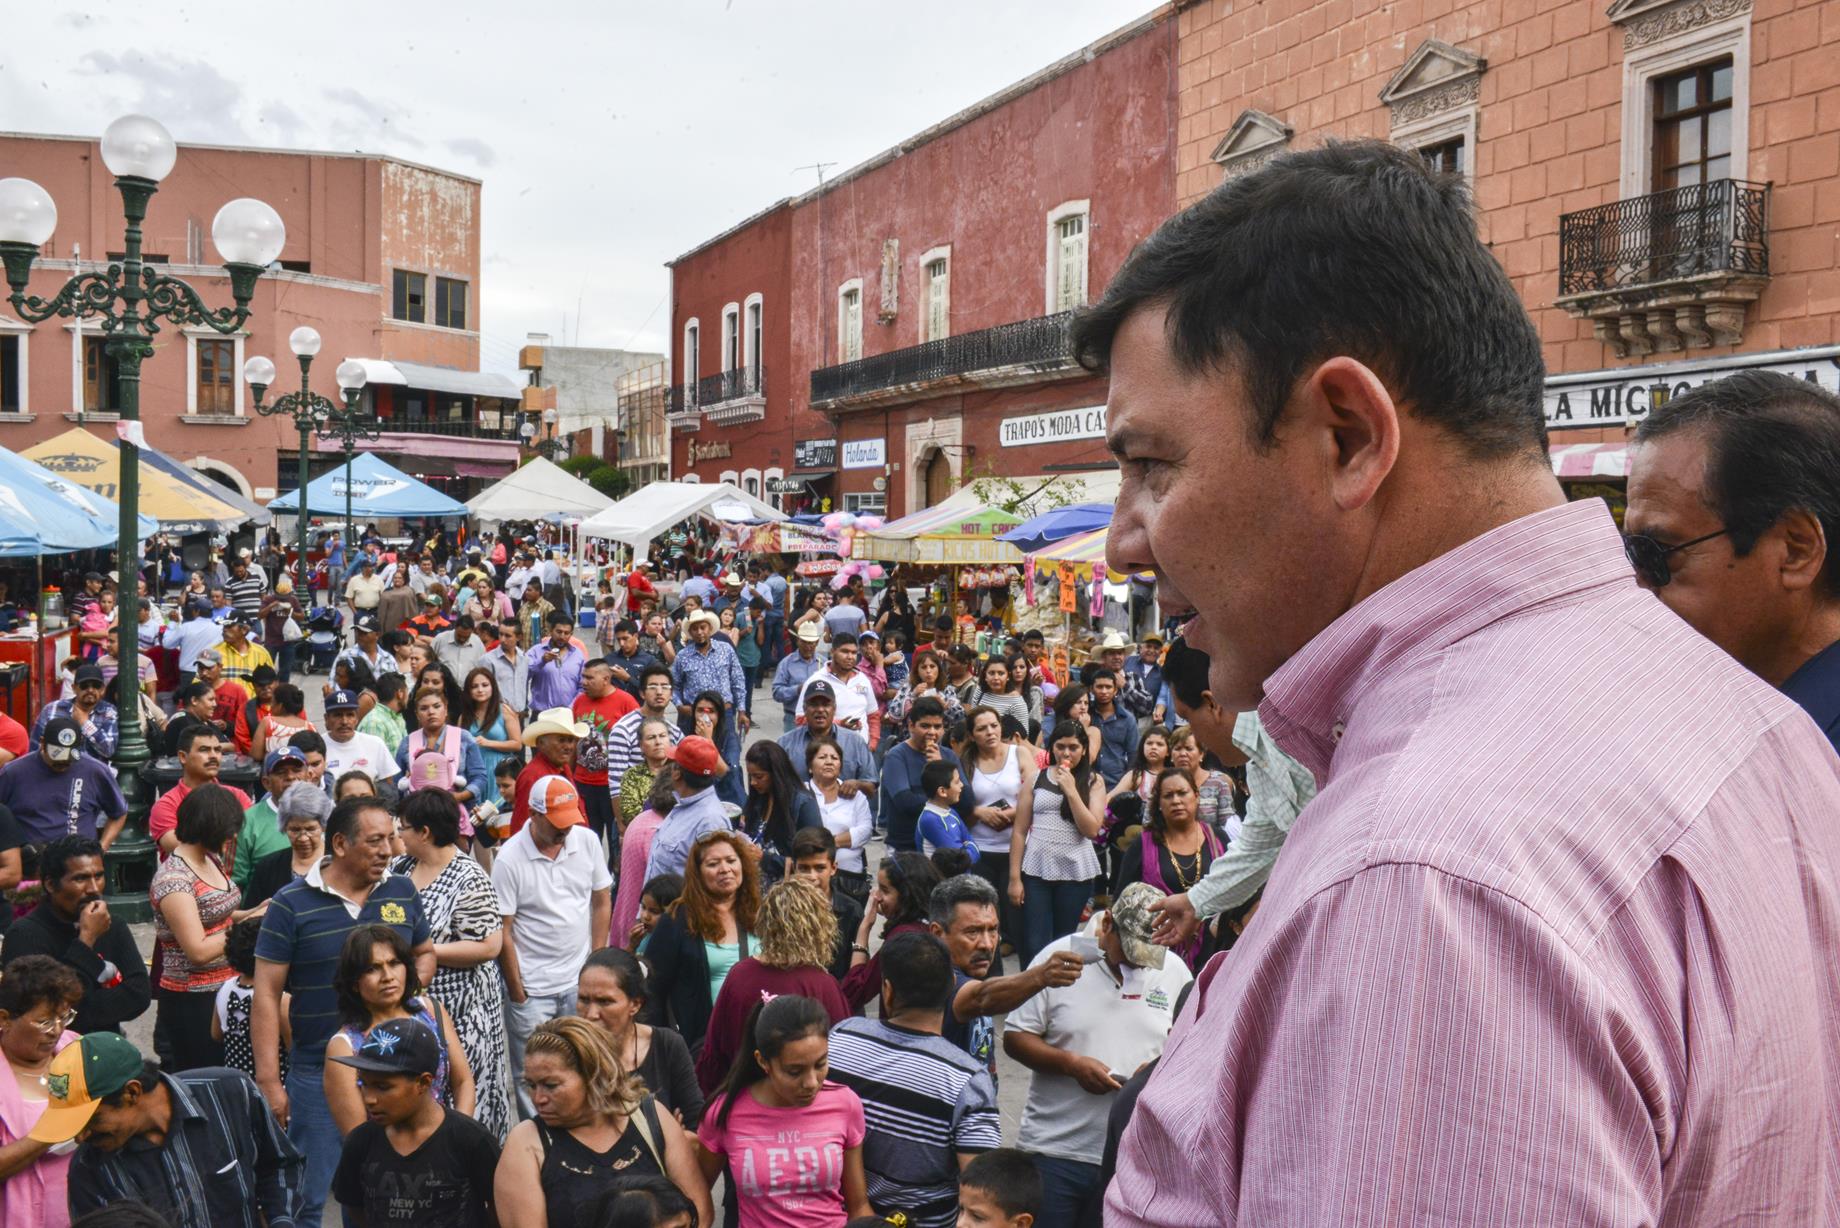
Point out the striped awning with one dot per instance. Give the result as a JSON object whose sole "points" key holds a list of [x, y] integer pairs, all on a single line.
{"points": [[1591, 460]]}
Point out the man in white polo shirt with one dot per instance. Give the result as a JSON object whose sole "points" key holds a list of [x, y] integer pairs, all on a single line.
{"points": [[347, 750], [550, 877], [1081, 1043]]}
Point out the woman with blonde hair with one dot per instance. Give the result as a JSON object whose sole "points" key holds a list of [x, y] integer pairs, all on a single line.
{"points": [[594, 1125], [797, 932], [701, 938]]}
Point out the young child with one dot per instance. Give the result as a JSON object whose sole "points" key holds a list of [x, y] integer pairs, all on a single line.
{"points": [[939, 826], [999, 1189], [659, 894], [389, 1173], [230, 1021]]}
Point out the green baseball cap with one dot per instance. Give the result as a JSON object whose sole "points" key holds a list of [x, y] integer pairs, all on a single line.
{"points": [[81, 1074]]}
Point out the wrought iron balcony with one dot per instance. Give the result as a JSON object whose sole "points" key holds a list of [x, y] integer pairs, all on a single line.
{"points": [[734, 396], [1668, 271], [1026, 351], [462, 428]]}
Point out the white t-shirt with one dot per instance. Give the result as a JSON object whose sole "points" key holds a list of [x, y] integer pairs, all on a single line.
{"points": [[855, 698], [847, 814], [364, 753], [1092, 1017], [549, 899]]}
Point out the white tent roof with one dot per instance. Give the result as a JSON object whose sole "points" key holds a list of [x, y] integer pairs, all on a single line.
{"points": [[537, 490], [650, 510]]}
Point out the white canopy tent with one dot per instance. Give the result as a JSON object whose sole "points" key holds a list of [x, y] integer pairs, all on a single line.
{"points": [[538, 490], [641, 516]]}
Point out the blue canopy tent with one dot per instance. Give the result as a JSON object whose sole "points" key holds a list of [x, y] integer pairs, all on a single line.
{"points": [[378, 491], [42, 513], [1057, 524]]}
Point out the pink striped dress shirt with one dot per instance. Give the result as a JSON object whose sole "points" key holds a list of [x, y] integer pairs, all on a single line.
{"points": [[1555, 944]]}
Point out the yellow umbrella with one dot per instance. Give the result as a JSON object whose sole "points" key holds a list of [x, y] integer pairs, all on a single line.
{"points": [[96, 463]]}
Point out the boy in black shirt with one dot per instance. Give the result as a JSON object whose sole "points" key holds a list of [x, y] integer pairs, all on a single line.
{"points": [[814, 856], [412, 1161]]}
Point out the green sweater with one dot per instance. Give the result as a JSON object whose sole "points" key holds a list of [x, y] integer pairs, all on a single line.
{"points": [[261, 835]]}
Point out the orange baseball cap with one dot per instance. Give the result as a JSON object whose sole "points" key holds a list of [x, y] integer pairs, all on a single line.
{"points": [[556, 799]]}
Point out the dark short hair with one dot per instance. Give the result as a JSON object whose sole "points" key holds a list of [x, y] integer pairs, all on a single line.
{"points": [[1104, 671], [308, 742], [209, 816], [1772, 445], [936, 775], [814, 745], [598, 663], [656, 669], [240, 945], [923, 708], [1356, 248], [626, 626], [1185, 670], [1009, 1177], [465, 620], [390, 685], [55, 858], [191, 734], [290, 700], [813, 842], [433, 811], [843, 639], [917, 969], [390, 641], [38, 980], [344, 820], [559, 618]]}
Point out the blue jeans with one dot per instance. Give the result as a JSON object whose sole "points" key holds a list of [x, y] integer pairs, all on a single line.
{"points": [[1050, 909], [312, 1130], [521, 1019], [1068, 1189]]}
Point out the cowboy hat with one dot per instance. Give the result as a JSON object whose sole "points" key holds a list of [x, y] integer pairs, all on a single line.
{"points": [[1113, 640], [553, 720]]}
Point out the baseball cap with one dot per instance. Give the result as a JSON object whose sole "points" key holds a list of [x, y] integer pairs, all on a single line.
{"points": [[809, 633], [199, 605], [210, 656], [287, 754], [367, 622], [397, 1046], [431, 599], [340, 701], [697, 754], [93, 575], [63, 739], [820, 689], [556, 799], [87, 673], [1132, 918], [869, 633], [236, 618], [81, 1074]]}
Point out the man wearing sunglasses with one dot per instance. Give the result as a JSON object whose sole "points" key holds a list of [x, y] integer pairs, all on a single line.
{"points": [[1734, 512]]}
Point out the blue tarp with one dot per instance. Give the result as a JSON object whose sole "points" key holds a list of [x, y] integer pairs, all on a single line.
{"points": [[42, 513], [378, 490], [1057, 525]]}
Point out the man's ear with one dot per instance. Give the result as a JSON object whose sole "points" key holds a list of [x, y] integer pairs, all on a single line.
{"points": [[1345, 399], [1025, 1219], [1804, 548]]}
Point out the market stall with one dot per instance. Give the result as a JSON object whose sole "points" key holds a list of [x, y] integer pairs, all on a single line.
{"points": [[377, 490], [181, 506], [643, 516], [539, 489]]}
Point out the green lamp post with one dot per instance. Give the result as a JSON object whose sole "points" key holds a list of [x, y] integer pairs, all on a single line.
{"points": [[349, 427], [132, 299], [310, 412]]}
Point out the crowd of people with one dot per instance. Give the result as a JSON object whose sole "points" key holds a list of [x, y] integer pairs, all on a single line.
{"points": [[540, 930]]}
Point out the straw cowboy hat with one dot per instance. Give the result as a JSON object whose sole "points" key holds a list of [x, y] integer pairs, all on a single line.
{"points": [[553, 720]]}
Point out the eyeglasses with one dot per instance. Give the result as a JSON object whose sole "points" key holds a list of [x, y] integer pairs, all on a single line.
{"points": [[1650, 558], [56, 1025]]}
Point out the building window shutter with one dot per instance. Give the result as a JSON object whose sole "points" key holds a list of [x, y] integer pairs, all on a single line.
{"points": [[937, 325], [1071, 284]]}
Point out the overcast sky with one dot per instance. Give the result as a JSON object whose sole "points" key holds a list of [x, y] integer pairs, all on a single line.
{"points": [[610, 136]]}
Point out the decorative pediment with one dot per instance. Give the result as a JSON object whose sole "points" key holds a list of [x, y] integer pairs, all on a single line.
{"points": [[1646, 22], [1435, 78], [1254, 139]]}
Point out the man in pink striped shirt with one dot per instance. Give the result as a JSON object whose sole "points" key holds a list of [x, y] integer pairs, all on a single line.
{"points": [[1555, 943]]}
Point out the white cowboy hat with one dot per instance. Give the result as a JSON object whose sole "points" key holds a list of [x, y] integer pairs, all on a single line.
{"points": [[703, 616], [1113, 640], [809, 632], [553, 720]]}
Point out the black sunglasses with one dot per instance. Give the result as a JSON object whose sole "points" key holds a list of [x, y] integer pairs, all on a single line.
{"points": [[1650, 558]]}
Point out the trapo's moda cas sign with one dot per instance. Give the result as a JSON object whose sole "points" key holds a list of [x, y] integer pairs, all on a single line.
{"points": [[865, 453], [1624, 395], [1062, 424]]}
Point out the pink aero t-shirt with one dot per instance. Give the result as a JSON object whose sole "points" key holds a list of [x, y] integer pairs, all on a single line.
{"points": [[787, 1163]]}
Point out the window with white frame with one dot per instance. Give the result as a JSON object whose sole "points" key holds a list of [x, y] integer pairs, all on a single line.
{"points": [[753, 338], [936, 275], [693, 359], [849, 321], [1433, 101], [214, 377], [1686, 93], [15, 387], [868, 503], [1067, 245], [731, 338]]}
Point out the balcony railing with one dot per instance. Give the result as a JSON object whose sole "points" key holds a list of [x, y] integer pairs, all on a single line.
{"points": [[461, 428], [1008, 353], [1672, 270], [1717, 227]]}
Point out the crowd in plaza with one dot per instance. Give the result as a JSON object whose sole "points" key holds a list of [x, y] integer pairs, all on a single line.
{"points": [[535, 927]]}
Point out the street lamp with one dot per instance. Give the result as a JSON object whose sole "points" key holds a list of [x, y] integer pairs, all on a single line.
{"points": [[132, 298], [349, 427], [310, 412]]}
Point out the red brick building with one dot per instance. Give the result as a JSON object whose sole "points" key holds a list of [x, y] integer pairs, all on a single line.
{"points": [[382, 257], [910, 317]]}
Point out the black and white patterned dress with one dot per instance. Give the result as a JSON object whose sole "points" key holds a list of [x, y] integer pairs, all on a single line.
{"points": [[462, 906]]}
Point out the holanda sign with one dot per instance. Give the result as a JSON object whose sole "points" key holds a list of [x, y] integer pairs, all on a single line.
{"points": [[1054, 427]]}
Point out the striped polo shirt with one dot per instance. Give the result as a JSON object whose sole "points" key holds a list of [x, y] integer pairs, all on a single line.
{"points": [[305, 928]]}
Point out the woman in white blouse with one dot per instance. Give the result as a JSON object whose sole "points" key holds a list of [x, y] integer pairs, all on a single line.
{"points": [[846, 818]]}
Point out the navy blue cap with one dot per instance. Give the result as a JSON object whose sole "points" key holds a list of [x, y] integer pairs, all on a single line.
{"points": [[341, 700]]}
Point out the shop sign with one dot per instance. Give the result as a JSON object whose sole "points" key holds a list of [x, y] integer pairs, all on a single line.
{"points": [[815, 454], [709, 451], [865, 453], [1623, 396], [785, 486], [1055, 427]]}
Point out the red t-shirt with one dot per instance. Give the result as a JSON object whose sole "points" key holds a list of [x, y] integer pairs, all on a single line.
{"points": [[164, 816], [599, 716], [13, 737], [638, 588], [535, 770]]}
